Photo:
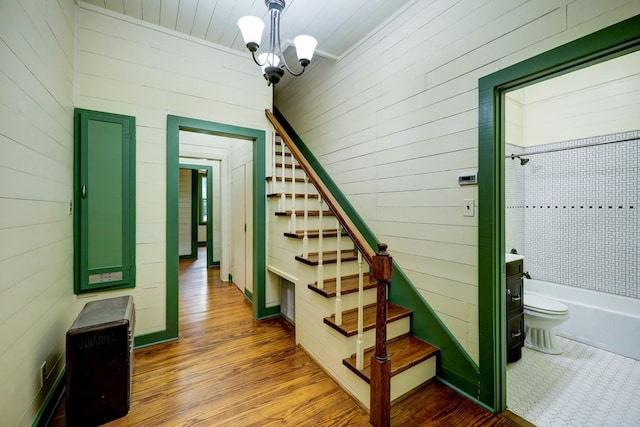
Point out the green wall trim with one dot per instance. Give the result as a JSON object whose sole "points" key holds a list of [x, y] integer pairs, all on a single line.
{"points": [[152, 338], [597, 47], [174, 125], [51, 401], [248, 294], [456, 366], [270, 312]]}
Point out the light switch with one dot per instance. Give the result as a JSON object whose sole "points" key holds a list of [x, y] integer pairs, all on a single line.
{"points": [[469, 207]]}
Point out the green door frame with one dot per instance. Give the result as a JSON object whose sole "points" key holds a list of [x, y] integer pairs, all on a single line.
{"points": [[609, 43], [195, 217], [174, 125]]}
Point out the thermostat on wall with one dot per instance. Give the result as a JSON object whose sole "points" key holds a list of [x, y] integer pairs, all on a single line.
{"points": [[468, 178]]}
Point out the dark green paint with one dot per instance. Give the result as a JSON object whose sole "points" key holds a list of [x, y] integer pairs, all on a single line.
{"points": [[600, 46], [455, 367], [104, 220]]}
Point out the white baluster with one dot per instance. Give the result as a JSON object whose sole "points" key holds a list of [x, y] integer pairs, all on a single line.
{"points": [[360, 340], [320, 267], [283, 197], [338, 276], [292, 221], [305, 237], [273, 165]]}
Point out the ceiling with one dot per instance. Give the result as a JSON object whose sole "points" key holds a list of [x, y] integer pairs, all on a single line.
{"points": [[338, 25]]}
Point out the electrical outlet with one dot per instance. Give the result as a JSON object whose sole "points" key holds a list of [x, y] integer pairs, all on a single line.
{"points": [[469, 208], [43, 373]]}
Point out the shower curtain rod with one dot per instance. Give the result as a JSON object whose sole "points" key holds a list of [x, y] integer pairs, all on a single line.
{"points": [[551, 150]]}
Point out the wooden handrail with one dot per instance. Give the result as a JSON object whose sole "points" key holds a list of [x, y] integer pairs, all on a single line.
{"points": [[382, 266], [342, 216]]}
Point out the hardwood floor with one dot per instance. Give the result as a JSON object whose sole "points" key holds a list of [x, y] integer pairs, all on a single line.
{"points": [[229, 369]]}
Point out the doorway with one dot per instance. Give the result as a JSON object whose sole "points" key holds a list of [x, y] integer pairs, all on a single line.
{"points": [[608, 43], [175, 124]]}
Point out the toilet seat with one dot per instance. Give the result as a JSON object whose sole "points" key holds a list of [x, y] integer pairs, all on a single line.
{"points": [[540, 304]]}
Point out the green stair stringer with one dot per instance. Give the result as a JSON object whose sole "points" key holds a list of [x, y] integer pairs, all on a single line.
{"points": [[456, 368]]}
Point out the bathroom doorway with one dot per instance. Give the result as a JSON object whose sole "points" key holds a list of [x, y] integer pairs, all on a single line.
{"points": [[610, 43], [571, 145]]}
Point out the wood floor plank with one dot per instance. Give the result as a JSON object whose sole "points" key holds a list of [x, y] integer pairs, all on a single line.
{"points": [[228, 369]]}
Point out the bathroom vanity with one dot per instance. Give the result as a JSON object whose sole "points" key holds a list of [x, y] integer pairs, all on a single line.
{"points": [[515, 315]]}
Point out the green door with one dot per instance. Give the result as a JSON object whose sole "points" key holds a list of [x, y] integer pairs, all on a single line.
{"points": [[105, 201]]}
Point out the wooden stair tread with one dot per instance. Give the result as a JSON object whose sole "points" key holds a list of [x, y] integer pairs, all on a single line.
{"points": [[314, 234], [288, 195], [287, 165], [404, 352], [287, 179], [349, 285], [329, 257], [300, 212], [349, 325]]}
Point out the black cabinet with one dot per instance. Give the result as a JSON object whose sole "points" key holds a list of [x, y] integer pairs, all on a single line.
{"points": [[514, 310], [99, 359]]}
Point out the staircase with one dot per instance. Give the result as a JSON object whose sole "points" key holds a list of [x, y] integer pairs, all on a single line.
{"points": [[345, 296]]}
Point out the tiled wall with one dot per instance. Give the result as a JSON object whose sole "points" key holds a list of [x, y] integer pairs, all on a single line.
{"points": [[580, 213]]}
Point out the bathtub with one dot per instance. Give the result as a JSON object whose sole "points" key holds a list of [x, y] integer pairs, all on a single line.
{"points": [[607, 321]]}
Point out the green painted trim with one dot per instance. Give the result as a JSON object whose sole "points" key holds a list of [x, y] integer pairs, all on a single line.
{"points": [[51, 402], [248, 294], [270, 312], [80, 157], [152, 338], [455, 364], [609, 43], [174, 125]]}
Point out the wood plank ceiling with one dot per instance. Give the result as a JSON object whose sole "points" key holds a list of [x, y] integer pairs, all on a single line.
{"points": [[338, 25]]}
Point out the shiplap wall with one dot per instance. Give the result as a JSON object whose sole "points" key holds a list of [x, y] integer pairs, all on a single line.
{"points": [[395, 121], [36, 175], [130, 67], [184, 212]]}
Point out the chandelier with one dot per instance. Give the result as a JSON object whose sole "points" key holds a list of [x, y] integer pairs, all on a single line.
{"points": [[251, 28]]}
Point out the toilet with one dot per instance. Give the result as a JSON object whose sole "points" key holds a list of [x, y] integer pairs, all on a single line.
{"points": [[541, 317]]}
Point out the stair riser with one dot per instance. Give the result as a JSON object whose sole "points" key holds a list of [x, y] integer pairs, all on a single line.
{"points": [[408, 380], [394, 329], [298, 187], [328, 243], [348, 301]]}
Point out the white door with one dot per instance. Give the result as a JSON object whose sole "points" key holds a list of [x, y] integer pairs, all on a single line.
{"points": [[242, 226]]}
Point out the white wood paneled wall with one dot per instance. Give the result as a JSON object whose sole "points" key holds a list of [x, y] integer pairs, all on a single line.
{"points": [[130, 67], [36, 175], [395, 121]]}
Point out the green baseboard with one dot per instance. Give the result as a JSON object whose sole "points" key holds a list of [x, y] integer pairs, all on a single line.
{"points": [[52, 401]]}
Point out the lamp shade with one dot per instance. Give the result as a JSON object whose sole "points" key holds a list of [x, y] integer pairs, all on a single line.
{"points": [[268, 60], [251, 28], [305, 45]]}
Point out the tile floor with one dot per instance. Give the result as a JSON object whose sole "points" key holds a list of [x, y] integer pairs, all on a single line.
{"points": [[584, 386]]}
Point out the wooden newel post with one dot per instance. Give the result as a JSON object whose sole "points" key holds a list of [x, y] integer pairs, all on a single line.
{"points": [[380, 404]]}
